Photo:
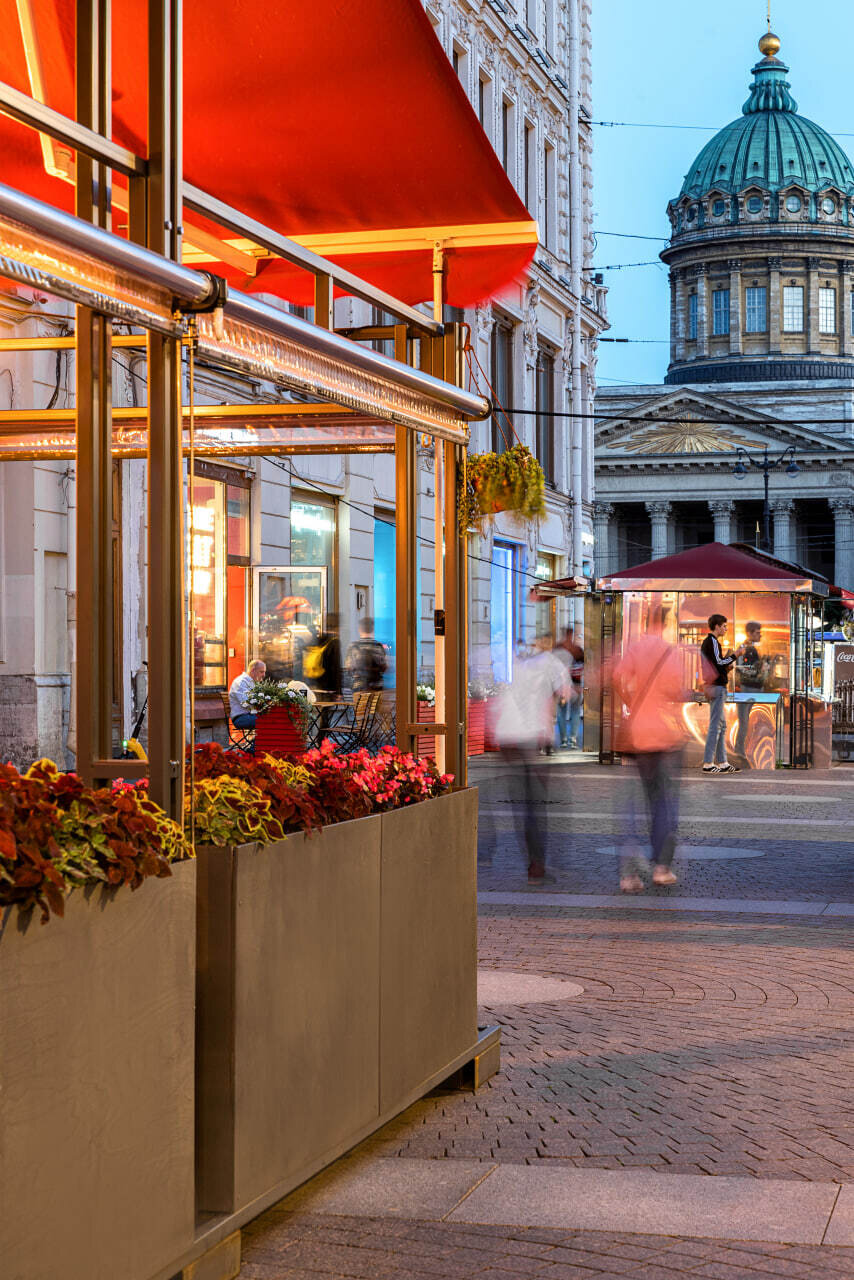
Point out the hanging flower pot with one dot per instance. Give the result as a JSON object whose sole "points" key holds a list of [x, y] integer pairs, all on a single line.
{"points": [[512, 481]]}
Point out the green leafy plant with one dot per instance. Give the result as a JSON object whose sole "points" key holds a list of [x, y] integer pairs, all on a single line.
{"points": [[231, 811], [270, 693], [56, 833], [511, 481]]}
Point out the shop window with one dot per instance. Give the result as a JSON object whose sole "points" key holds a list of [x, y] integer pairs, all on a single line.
{"points": [[545, 408], [756, 309], [720, 312], [545, 611], [219, 556], [289, 616], [827, 310], [313, 536], [503, 609], [502, 382], [793, 308]]}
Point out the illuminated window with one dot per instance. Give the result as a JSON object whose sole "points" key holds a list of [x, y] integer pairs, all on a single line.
{"points": [[793, 308], [218, 551], [827, 311]]}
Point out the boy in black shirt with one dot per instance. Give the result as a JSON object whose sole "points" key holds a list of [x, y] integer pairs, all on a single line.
{"points": [[716, 669]]}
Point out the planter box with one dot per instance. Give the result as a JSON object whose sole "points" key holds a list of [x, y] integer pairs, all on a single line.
{"points": [[288, 1018], [337, 983], [428, 1012], [476, 726], [96, 1085], [425, 745], [278, 732], [490, 716]]}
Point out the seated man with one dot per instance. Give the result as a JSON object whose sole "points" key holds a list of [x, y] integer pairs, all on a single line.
{"points": [[241, 717]]}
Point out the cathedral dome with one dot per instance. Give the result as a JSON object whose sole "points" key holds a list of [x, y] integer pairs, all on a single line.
{"points": [[769, 146]]}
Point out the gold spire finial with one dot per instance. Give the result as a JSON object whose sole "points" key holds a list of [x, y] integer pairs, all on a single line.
{"points": [[769, 45]]}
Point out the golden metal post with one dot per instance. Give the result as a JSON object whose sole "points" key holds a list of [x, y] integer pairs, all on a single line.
{"points": [[439, 641], [93, 639], [456, 627], [324, 301], [406, 582], [166, 605]]}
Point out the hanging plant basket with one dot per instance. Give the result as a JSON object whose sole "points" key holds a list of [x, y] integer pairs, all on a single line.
{"points": [[512, 481]]}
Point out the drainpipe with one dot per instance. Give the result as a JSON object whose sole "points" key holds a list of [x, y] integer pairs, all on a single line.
{"points": [[576, 251]]}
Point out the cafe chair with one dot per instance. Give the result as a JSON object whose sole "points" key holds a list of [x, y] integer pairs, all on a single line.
{"points": [[363, 727], [238, 739]]}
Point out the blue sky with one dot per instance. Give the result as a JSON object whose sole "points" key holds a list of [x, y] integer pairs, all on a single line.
{"points": [[689, 65]]}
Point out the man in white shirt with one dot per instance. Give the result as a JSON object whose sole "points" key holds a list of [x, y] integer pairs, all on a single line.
{"points": [[241, 716], [524, 726]]}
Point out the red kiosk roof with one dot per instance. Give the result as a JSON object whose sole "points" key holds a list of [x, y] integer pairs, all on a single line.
{"points": [[335, 122], [715, 566]]}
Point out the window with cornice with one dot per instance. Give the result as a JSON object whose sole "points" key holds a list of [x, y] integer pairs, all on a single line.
{"points": [[793, 308], [545, 408], [720, 312], [502, 382], [827, 310], [756, 309]]}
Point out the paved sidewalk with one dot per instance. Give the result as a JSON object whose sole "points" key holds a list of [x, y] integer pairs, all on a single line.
{"points": [[677, 1078]]}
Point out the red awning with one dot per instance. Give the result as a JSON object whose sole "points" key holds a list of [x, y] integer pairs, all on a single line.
{"points": [[339, 123], [844, 597], [716, 567]]}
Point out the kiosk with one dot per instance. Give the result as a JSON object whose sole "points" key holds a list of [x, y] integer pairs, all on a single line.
{"points": [[776, 712]]}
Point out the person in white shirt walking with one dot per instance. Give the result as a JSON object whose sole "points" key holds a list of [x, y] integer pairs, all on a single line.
{"points": [[241, 716]]}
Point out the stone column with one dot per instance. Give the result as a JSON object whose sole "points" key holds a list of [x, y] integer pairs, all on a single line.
{"points": [[782, 510], [775, 306], [603, 514], [680, 313], [846, 284], [734, 306], [659, 514], [674, 316], [722, 512], [813, 337], [843, 521], [702, 310]]}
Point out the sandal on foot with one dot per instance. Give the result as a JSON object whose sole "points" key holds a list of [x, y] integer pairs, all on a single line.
{"points": [[631, 884], [663, 875]]}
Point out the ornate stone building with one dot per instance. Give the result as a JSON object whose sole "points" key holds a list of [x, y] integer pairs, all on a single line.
{"points": [[526, 66], [761, 263]]}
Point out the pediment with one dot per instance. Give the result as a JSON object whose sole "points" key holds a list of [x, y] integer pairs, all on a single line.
{"points": [[686, 424]]}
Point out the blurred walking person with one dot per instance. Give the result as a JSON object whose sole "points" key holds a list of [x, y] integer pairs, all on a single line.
{"points": [[648, 681], [524, 727]]}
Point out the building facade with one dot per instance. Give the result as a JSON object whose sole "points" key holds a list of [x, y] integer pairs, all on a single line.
{"points": [[320, 531], [761, 261]]}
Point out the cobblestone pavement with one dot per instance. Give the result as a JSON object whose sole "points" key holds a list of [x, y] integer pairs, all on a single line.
{"points": [[704, 1044]]}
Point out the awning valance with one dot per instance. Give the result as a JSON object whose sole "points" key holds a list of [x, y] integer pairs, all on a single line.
{"points": [[716, 567], [339, 124]]}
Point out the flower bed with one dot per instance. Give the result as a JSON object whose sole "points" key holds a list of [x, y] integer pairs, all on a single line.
{"points": [[239, 798], [56, 833]]}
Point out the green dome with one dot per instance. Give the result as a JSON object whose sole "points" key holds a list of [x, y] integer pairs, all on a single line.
{"points": [[769, 146]]}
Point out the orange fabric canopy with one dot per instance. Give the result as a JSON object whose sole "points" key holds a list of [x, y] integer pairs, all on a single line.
{"points": [[337, 120]]}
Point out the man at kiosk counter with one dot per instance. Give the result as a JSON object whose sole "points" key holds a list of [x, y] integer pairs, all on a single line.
{"points": [[716, 669]]}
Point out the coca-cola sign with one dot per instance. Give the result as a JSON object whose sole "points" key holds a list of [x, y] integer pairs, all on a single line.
{"points": [[843, 661]]}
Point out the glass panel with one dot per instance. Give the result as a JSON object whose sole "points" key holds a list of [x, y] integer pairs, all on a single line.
{"points": [[313, 534], [289, 616], [693, 620], [385, 605], [545, 611], [207, 566], [238, 521], [762, 623], [502, 611], [545, 405], [502, 381], [238, 621], [692, 316]]}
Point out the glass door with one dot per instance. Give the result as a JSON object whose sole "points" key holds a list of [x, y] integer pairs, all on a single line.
{"points": [[288, 615]]}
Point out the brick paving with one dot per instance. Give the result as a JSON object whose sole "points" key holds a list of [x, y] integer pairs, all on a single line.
{"points": [[701, 1044]]}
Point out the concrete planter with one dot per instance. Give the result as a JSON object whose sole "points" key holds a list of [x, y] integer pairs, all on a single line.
{"points": [[336, 984], [96, 1069]]}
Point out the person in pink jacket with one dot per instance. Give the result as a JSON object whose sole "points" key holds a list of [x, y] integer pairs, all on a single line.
{"points": [[648, 683]]}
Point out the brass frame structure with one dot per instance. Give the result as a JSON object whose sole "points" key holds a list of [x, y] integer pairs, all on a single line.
{"points": [[143, 281]]}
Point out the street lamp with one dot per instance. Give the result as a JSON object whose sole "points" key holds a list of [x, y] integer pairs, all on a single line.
{"points": [[766, 466]]}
